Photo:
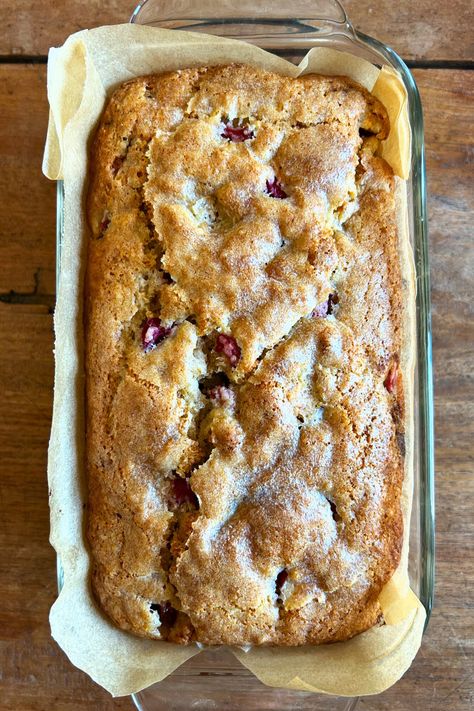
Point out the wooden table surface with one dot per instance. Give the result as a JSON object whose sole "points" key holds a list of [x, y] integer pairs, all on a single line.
{"points": [[438, 42]]}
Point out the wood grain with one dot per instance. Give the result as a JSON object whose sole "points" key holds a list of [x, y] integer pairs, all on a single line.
{"points": [[35, 673], [27, 227], [416, 30]]}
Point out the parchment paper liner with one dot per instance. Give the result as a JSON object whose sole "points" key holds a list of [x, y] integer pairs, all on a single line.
{"points": [[81, 74]]}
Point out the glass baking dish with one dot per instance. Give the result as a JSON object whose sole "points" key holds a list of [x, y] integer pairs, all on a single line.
{"points": [[214, 679]]}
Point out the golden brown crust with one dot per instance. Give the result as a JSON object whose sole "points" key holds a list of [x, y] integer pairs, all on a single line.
{"points": [[243, 337]]}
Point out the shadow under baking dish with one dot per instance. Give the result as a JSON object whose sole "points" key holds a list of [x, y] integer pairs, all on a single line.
{"points": [[214, 679]]}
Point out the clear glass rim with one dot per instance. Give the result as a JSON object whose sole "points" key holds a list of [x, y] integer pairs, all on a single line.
{"points": [[423, 318], [341, 25]]}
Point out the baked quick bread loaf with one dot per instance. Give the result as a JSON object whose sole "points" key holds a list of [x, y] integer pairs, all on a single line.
{"points": [[244, 401]]}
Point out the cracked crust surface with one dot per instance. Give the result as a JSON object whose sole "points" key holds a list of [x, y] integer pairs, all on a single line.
{"points": [[244, 400]]}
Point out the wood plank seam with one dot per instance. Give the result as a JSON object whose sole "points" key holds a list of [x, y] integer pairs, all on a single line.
{"points": [[464, 64], [31, 297]]}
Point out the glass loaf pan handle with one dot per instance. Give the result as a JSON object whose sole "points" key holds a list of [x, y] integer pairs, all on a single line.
{"points": [[315, 23], [266, 23]]}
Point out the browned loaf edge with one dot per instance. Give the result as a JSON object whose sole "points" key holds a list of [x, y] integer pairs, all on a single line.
{"points": [[244, 400]]}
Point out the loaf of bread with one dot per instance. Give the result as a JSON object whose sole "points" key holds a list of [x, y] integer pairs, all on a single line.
{"points": [[245, 410]]}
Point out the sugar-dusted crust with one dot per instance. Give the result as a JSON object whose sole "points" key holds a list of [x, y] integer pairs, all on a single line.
{"points": [[244, 404]]}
